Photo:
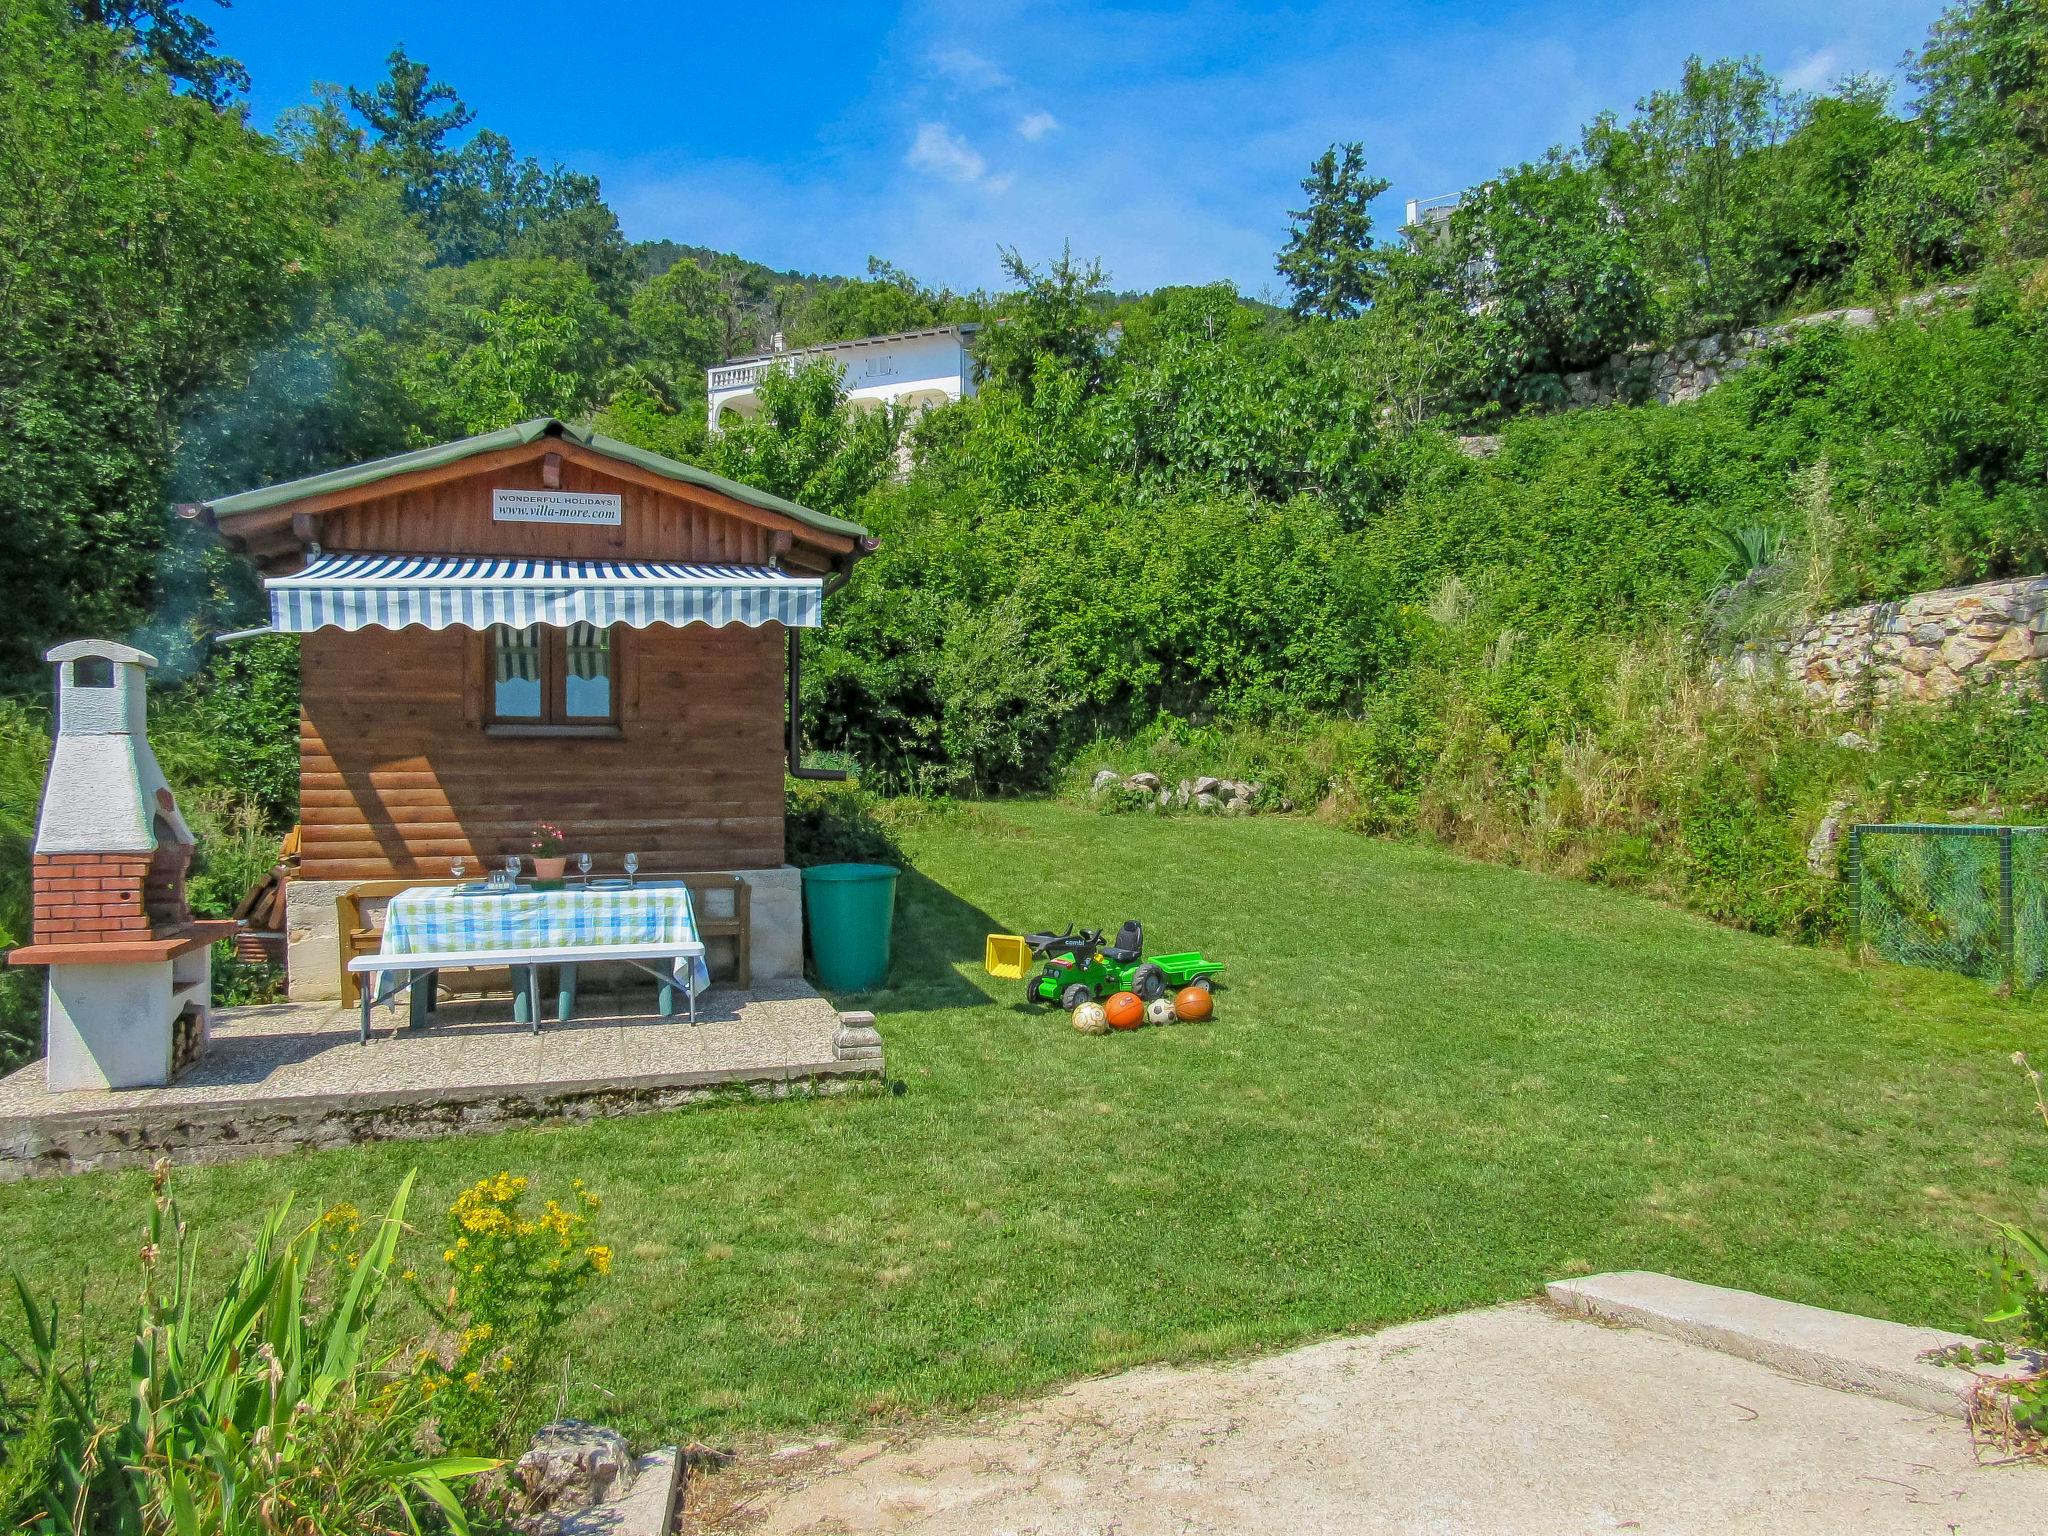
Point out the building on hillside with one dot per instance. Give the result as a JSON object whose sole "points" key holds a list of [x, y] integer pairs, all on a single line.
{"points": [[539, 624], [1430, 216], [913, 370]]}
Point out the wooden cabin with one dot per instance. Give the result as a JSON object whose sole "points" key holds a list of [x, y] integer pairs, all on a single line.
{"points": [[539, 623]]}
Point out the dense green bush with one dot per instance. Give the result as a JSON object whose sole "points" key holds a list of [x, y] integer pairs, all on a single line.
{"points": [[835, 823]]}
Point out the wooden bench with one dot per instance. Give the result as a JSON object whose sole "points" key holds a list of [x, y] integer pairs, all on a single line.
{"points": [[422, 974], [360, 935], [735, 925]]}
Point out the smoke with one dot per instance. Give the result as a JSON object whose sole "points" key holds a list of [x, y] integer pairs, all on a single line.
{"points": [[298, 407]]}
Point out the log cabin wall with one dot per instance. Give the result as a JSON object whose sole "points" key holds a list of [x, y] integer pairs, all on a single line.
{"points": [[397, 774], [454, 518]]}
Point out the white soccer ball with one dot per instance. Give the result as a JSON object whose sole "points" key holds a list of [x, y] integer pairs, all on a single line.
{"points": [[1160, 1011], [1090, 1019]]}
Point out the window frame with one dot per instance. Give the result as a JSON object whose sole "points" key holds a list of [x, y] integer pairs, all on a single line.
{"points": [[554, 718]]}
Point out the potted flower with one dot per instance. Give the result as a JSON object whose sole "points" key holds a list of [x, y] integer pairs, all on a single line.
{"points": [[550, 851]]}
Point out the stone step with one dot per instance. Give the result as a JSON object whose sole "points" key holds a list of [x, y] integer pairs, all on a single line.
{"points": [[1831, 1349]]}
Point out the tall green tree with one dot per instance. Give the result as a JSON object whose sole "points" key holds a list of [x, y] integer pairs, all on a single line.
{"points": [[506, 340], [1692, 177], [477, 198], [1055, 318], [170, 39], [887, 300], [331, 389], [147, 243], [1983, 73], [1551, 278], [1983, 81], [414, 119], [676, 328], [807, 443], [1329, 260]]}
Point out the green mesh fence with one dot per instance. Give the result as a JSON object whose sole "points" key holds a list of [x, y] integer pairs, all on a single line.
{"points": [[1968, 899]]}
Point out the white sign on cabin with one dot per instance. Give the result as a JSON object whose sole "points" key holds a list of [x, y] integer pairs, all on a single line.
{"points": [[554, 507]]}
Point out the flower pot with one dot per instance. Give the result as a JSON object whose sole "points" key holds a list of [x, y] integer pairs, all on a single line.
{"points": [[549, 869]]}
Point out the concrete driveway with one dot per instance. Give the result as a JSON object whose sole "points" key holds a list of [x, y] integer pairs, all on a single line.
{"points": [[1515, 1419]]}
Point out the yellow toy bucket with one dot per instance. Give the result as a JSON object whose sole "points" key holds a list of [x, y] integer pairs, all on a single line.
{"points": [[1007, 956]]}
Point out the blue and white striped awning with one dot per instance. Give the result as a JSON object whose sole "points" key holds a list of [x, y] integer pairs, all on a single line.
{"points": [[475, 592]]}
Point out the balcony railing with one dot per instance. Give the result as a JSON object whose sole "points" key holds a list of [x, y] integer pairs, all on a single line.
{"points": [[739, 375]]}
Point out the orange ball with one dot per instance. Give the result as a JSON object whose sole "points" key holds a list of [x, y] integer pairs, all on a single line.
{"points": [[1126, 1010], [1193, 1004]]}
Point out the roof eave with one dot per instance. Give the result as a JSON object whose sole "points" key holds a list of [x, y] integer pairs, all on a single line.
{"points": [[281, 500]]}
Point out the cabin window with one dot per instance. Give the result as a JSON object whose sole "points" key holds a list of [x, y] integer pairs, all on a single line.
{"points": [[552, 678]]}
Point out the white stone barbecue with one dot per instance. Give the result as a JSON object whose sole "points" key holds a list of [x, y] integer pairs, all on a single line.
{"points": [[130, 974]]}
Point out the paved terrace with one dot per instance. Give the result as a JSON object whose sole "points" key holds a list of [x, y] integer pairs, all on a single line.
{"points": [[292, 1075]]}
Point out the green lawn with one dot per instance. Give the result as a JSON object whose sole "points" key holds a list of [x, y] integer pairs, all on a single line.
{"points": [[1430, 1084]]}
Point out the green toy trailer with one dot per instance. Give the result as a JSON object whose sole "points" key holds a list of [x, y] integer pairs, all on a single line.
{"points": [[1080, 966]]}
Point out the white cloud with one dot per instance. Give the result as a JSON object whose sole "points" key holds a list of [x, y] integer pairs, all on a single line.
{"points": [[940, 151], [1816, 71], [1034, 126], [966, 67]]}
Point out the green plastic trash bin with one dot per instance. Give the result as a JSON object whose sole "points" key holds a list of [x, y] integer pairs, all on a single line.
{"points": [[849, 909]]}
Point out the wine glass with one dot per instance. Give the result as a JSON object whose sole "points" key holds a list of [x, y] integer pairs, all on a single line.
{"points": [[583, 867], [632, 866], [459, 867], [511, 870]]}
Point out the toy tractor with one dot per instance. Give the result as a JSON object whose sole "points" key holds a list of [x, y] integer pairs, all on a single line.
{"points": [[1080, 966]]}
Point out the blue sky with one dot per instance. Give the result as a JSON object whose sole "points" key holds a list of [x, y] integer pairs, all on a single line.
{"points": [[1169, 140]]}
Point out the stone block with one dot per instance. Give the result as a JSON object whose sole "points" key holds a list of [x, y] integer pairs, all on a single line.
{"points": [[1839, 1350], [775, 922], [573, 1465], [1962, 652], [857, 1039], [312, 945]]}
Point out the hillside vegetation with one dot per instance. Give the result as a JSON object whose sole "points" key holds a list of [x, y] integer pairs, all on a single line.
{"points": [[1177, 526]]}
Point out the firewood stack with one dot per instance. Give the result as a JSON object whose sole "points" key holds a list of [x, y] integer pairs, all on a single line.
{"points": [[262, 910]]}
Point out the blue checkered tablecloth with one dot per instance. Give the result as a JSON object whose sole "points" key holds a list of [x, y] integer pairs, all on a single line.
{"points": [[431, 919]]}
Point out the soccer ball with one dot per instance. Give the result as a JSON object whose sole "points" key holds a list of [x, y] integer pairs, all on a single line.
{"points": [[1160, 1011], [1091, 1020]]}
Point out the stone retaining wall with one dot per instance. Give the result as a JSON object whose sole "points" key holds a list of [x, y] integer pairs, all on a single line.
{"points": [[1928, 646], [134, 1137], [1690, 369]]}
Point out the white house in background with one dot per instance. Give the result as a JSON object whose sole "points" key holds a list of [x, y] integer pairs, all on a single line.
{"points": [[910, 369], [1430, 215]]}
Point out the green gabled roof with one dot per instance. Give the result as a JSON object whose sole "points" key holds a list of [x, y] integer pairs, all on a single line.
{"points": [[354, 475]]}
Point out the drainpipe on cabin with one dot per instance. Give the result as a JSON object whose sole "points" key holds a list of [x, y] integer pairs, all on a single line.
{"points": [[797, 770]]}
